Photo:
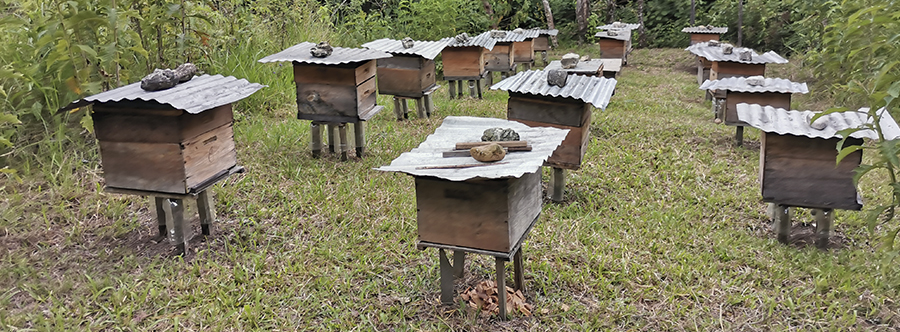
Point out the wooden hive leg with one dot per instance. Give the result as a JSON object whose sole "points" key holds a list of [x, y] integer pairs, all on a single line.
{"points": [[176, 226], [330, 129], [459, 263], [342, 140], [519, 270], [489, 78], [770, 210], [160, 216], [472, 92], [700, 78], [404, 106], [359, 134], [544, 58], [420, 108], [429, 105], [452, 89], [501, 286], [460, 92], [824, 224], [398, 112], [558, 182], [478, 88], [315, 130], [783, 223], [207, 209], [739, 135], [446, 278]]}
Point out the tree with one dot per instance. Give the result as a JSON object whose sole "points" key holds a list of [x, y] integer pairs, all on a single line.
{"points": [[550, 25], [582, 11]]}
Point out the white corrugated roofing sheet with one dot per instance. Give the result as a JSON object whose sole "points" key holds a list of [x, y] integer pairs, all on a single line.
{"points": [[483, 40], [714, 53], [705, 29], [620, 35], [591, 66], [739, 84], [784, 122], [340, 55], [197, 95], [426, 49], [589, 89], [457, 129], [547, 32], [628, 26], [510, 36]]}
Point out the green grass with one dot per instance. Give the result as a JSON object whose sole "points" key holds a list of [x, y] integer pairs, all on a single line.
{"points": [[662, 229]]}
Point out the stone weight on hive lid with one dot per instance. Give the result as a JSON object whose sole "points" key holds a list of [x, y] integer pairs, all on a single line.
{"points": [[592, 67], [720, 60], [704, 33], [170, 144], [463, 60], [775, 92], [797, 162], [473, 207], [333, 91], [409, 74], [533, 101]]}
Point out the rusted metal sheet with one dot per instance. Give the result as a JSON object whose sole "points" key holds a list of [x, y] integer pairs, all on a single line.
{"points": [[483, 40], [620, 34], [426, 49], [199, 94], [705, 29], [455, 129], [739, 84], [300, 53], [715, 53], [620, 25], [785, 122], [589, 89]]}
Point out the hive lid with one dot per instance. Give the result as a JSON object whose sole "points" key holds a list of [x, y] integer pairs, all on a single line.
{"points": [[426, 49], [512, 37], [622, 35], [591, 66], [594, 90], [714, 53], [739, 84], [483, 40], [547, 32], [340, 55], [626, 26], [784, 122], [197, 95], [455, 129], [704, 29]]}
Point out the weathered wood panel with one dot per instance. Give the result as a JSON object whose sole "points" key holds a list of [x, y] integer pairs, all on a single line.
{"points": [[463, 61], [208, 155], [561, 111], [401, 62], [346, 75], [406, 82], [732, 98], [473, 214], [524, 204], [725, 69], [366, 95], [327, 99], [143, 166], [196, 124], [113, 126], [612, 48], [703, 37], [800, 171], [542, 43], [571, 152], [523, 52], [500, 58]]}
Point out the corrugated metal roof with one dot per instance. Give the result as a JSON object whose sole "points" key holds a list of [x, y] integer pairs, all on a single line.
{"points": [[628, 26], [703, 29], [781, 121], [483, 40], [426, 48], [591, 66], [714, 53], [589, 89], [340, 55], [547, 32], [739, 84], [197, 95], [510, 37], [622, 35], [456, 129], [612, 64]]}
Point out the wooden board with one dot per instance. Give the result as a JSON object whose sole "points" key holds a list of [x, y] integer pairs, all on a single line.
{"points": [[545, 109], [113, 124], [406, 82], [472, 214], [542, 43], [800, 171], [500, 58], [703, 37], [366, 95], [524, 205], [143, 166], [335, 100], [208, 155], [523, 52], [351, 74], [612, 48], [725, 69], [463, 61], [732, 98], [571, 152]]}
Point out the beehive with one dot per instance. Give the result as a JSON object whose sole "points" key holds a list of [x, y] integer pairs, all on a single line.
{"points": [[704, 33], [464, 60], [411, 71], [502, 57], [723, 65], [775, 92], [542, 42], [614, 44]]}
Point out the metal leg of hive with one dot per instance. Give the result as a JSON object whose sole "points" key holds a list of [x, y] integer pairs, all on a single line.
{"points": [[342, 140], [330, 129], [783, 223], [519, 270], [446, 278], [429, 105], [460, 92], [176, 227], [207, 210], [824, 224], [558, 183], [420, 108], [459, 263], [501, 286], [315, 131], [359, 135], [398, 112], [739, 135], [160, 216], [478, 88]]}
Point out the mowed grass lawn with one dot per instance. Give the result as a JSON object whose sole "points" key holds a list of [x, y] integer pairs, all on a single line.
{"points": [[662, 229]]}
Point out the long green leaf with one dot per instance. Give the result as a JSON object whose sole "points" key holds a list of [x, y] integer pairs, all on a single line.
{"points": [[845, 152]]}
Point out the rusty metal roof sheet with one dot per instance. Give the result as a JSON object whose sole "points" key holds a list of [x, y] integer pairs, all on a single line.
{"points": [[739, 84], [589, 89], [621, 34], [455, 129], [510, 37], [783, 122], [714, 53], [627, 26], [340, 55], [483, 40], [705, 29], [426, 49], [197, 95]]}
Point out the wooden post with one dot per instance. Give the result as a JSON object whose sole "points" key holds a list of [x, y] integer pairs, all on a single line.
{"points": [[740, 34], [501, 286], [824, 224], [315, 130], [558, 182], [429, 105], [176, 227], [342, 140], [207, 210], [420, 108], [519, 270], [330, 128], [398, 112], [770, 210], [489, 78], [459, 263], [478, 88], [452, 89], [160, 216], [460, 92], [738, 135], [783, 223], [446, 278], [404, 106], [472, 88], [359, 133]]}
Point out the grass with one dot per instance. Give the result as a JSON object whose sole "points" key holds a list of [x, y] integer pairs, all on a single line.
{"points": [[662, 229]]}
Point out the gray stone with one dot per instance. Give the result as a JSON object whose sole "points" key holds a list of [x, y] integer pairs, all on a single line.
{"points": [[499, 134], [519, 31], [488, 153], [186, 72], [159, 79], [321, 50], [498, 34], [619, 24], [462, 38], [709, 27], [714, 43], [756, 81], [745, 56], [584, 58], [612, 32], [569, 61], [819, 124], [727, 49], [407, 42], [557, 78]]}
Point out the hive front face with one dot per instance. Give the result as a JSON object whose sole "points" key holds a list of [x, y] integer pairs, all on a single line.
{"points": [[732, 98], [463, 62], [703, 37], [563, 113], [500, 58], [542, 43], [523, 51], [163, 150], [335, 93], [612, 48], [726, 69], [405, 76]]}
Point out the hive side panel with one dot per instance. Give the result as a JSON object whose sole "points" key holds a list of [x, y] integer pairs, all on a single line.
{"points": [[732, 98], [524, 204], [427, 75], [208, 155], [725, 69], [612, 48], [473, 215], [569, 154], [114, 125], [196, 124], [339, 75], [541, 43], [523, 51], [366, 96], [703, 37], [326, 100], [551, 110], [463, 61], [500, 58], [143, 166]]}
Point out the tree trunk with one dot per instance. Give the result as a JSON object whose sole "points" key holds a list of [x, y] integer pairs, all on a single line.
{"points": [[611, 11], [740, 23], [693, 11], [550, 25], [489, 10], [642, 40], [582, 11]]}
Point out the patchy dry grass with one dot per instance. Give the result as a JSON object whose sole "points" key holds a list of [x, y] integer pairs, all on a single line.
{"points": [[662, 229]]}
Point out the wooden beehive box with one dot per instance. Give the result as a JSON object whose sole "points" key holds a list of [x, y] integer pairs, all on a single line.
{"points": [[523, 52], [775, 92], [175, 141], [701, 34], [411, 70], [723, 65], [541, 43], [463, 62], [614, 47], [726, 69], [500, 58]]}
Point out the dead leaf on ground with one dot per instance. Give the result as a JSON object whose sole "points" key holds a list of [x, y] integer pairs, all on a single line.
{"points": [[484, 297]]}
